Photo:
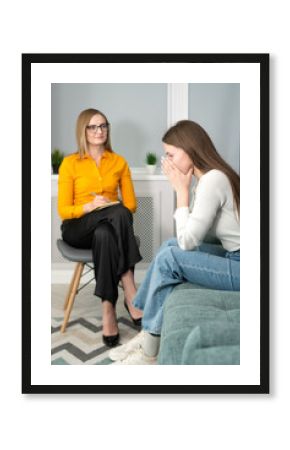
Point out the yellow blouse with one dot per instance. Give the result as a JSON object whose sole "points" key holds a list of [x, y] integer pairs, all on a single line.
{"points": [[80, 179]]}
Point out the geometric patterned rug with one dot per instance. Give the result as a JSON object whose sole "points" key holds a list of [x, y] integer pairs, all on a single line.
{"points": [[82, 343]]}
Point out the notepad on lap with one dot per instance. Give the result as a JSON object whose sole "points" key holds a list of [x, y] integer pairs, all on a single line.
{"points": [[106, 205]]}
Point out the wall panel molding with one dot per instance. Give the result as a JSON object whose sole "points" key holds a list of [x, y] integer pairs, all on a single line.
{"points": [[177, 102]]}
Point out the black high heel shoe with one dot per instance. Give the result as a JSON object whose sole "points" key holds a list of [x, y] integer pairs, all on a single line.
{"points": [[111, 341], [136, 322]]}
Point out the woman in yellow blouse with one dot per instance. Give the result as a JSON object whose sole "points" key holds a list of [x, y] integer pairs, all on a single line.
{"points": [[89, 179]]}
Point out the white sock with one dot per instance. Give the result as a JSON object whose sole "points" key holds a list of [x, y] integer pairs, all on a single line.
{"points": [[151, 344]]}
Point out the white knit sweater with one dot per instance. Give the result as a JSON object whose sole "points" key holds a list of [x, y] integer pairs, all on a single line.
{"points": [[211, 212]]}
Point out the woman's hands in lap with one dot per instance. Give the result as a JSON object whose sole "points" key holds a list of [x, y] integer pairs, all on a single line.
{"points": [[98, 200]]}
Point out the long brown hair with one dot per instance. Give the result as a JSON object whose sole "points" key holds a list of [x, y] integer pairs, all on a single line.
{"points": [[195, 141], [82, 122]]}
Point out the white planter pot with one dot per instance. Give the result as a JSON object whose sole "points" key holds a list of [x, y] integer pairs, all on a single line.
{"points": [[151, 168]]}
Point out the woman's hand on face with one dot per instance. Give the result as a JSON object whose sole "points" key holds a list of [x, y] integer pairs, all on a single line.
{"points": [[98, 200], [178, 180]]}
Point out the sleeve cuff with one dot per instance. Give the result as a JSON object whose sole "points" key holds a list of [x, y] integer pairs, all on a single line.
{"points": [[181, 213], [78, 211]]}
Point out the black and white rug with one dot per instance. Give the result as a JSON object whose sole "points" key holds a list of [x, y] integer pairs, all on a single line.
{"points": [[82, 341]]}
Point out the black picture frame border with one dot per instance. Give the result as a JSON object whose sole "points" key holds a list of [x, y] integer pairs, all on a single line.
{"points": [[263, 59]]}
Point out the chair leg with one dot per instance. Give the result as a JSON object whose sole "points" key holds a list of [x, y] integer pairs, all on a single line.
{"points": [[72, 293], [71, 286]]}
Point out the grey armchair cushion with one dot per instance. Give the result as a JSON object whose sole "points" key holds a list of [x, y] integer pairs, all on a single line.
{"points": [[200, 326]]}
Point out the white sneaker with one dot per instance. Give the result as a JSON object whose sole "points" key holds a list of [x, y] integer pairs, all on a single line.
{"points": [[137, 357], [121, 352]]}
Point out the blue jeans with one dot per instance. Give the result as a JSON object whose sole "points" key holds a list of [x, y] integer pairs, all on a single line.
{"points": [[208, 265]]}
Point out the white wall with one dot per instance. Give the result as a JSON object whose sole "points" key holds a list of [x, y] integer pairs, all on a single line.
{"points": [[216, 107], [138, 114]]}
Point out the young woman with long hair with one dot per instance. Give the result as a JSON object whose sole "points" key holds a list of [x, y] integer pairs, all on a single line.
{"points": [[214, 211]]}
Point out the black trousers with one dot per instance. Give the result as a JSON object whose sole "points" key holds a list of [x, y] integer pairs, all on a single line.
{"points": [[109, 233]]}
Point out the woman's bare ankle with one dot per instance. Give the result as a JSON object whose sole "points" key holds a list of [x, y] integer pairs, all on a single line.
{"points": [[135, 312], [109, 319]]}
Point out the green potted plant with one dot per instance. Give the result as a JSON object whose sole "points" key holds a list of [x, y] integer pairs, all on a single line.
{"points": [[151, 160], [56, 160]]}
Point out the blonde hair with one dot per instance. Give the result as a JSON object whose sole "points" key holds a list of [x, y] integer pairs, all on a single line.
{"points": [[82, 122]]}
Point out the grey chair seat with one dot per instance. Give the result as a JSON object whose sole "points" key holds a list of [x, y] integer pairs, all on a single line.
{"points": [[74, 254]]}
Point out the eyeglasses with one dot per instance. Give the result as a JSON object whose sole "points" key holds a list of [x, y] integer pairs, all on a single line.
{"points": [[94, 128]]}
